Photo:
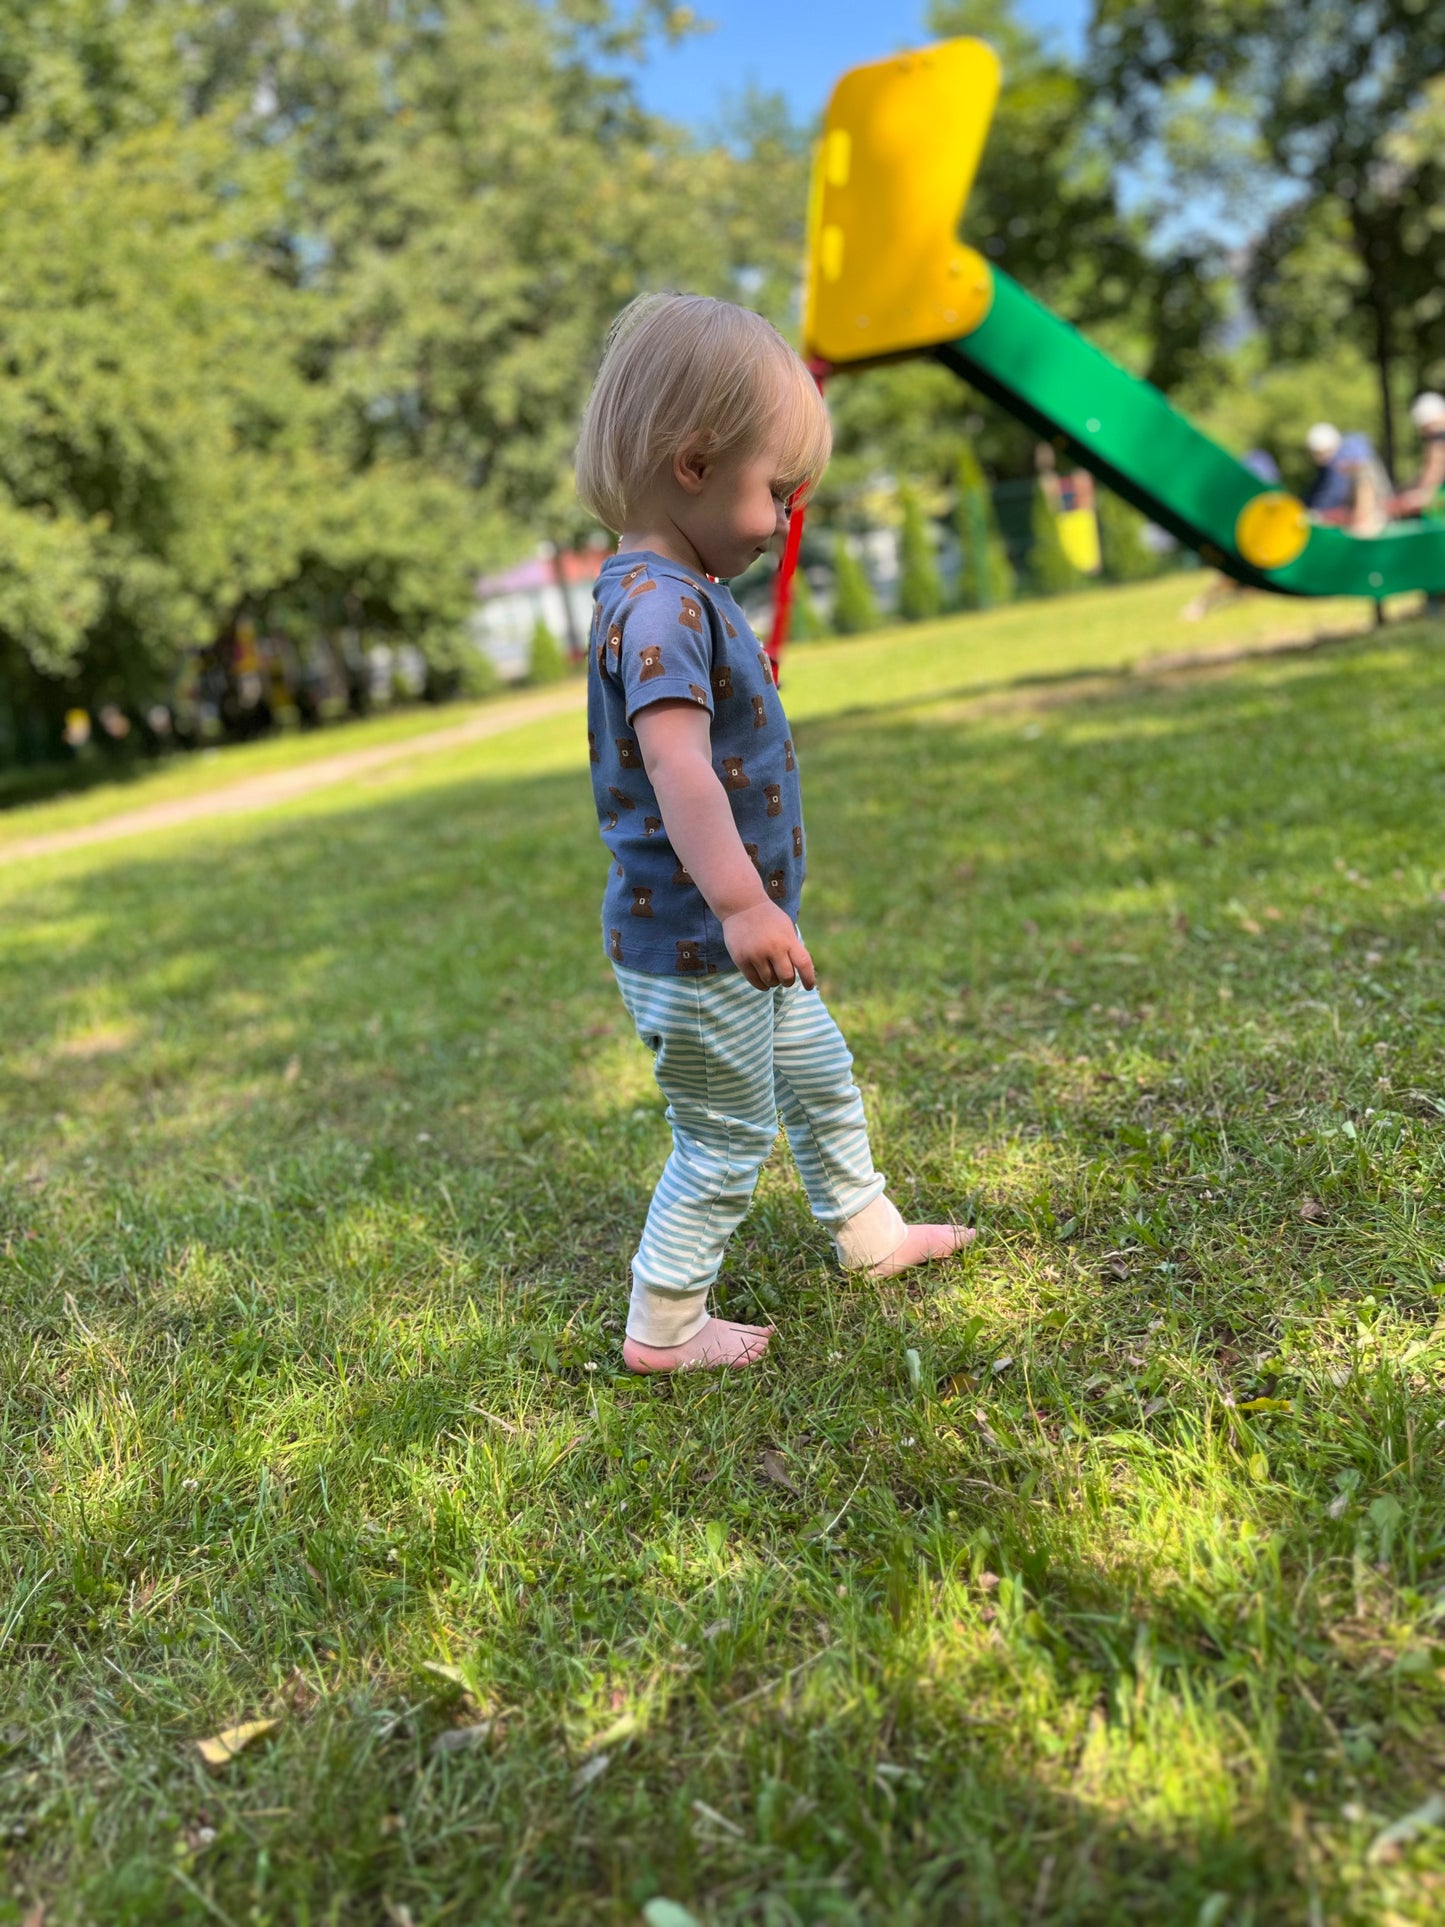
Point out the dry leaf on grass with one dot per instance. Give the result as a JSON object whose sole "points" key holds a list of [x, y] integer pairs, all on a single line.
{"points": [[1312, 1211], [593, 1770], [223, 1747], [775, 1468]]}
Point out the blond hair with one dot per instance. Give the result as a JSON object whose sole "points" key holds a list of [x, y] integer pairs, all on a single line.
{"points": [[679, 366]]}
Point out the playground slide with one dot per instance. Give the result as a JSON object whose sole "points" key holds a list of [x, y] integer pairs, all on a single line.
{"points": [[888, 275]]}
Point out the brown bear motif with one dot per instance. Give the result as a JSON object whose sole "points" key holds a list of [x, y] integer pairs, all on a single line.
{"points": [[722, 682], [651, 825], [797, 839], [680, 876], [651, 660], [620, 797], [735, 777], [732, 633], [788, 760], [641, 902], [775, 799], [592, 746], [614, 945], [698, 693], [620, 871], [760, 713], [777, 885], [611, 824], [690, 961], [765, 664], [691, 615], [614, 643], [628, 753], [752, 852], [632, 575], [641, 589]]}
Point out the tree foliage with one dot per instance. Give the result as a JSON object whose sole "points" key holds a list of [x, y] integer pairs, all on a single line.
{"points": [[303, 298], [1332, 114], [1050, 571]]}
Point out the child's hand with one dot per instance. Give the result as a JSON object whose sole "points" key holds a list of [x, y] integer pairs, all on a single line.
{"points": [[766, 948]]}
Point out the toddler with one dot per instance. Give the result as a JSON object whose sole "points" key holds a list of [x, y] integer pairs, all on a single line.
{"points": [[702, 426]]}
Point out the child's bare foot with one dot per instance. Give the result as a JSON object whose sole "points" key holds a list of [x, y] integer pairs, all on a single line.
{"points": [[719, 1343], [923, 1244]]}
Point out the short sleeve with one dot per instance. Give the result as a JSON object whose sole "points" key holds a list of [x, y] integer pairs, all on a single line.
{"points": [[658, 646]]}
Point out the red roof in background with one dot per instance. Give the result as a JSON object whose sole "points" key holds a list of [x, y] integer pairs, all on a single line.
{"points": [[541, 573]]}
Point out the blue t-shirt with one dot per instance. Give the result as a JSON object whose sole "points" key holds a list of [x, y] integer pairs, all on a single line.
{"points": [[659, 631]]}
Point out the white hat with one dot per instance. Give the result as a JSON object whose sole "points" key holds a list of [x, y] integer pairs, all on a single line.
{"points": [[1428, 410], [1323, 441]]}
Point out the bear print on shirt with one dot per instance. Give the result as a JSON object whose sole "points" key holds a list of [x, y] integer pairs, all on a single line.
{"points": [[632, 575], [752, 853], [680, 876], [614, 643], [777, 885], [722, 682], [592, 746], [732, 633], [651, 660], [788, 762], [690, 961], [620, 797], [641, 902], [691, 614], [774, 794], [628, 753], [651, 825], [641, 589], [698, 693], [735, 777], [760, 713], [797, 839], [614, 945]]}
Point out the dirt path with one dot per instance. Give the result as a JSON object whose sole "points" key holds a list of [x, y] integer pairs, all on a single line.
{"points": [[285, 785]]}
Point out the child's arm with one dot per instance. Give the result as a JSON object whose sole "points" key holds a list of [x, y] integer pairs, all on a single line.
{"points": [[677, 755]]}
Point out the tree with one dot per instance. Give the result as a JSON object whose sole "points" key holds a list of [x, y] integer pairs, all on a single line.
{"points": [[920, 588], [807, 619], [854, 609], [1126, 556], [546, 662], [1049, 569], [985, 576], [1335, 112]]}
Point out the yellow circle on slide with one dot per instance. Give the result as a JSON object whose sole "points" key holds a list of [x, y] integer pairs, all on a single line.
{"points": [[1272, 529]]}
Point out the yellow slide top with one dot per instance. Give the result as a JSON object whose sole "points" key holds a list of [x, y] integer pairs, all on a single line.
{"points": [[900, 147]]}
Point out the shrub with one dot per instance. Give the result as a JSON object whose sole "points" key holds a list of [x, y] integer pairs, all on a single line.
{"points": [[547, 662], [1126, 555], [854, 609], [806, 624], [985, 574], [920, 587]]}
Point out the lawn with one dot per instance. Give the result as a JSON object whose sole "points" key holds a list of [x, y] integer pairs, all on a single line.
{"points": [[1097, 1578]]}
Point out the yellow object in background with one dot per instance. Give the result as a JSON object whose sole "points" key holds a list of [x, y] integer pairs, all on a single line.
{"points": [[900, 147], [1272, 530], [1079, 539]]}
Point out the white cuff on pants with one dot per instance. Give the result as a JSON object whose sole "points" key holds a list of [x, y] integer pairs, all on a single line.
{"points": [[873, 1235], [665, 1317]]}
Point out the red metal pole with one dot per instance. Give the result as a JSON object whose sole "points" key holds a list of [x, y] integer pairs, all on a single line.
{"points": [[787, 568]]}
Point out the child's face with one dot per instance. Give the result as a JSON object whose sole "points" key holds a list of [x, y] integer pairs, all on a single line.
{"points": [[732, 509]]}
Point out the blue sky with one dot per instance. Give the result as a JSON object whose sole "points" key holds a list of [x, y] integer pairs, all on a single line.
{"points": [[799, 47]]}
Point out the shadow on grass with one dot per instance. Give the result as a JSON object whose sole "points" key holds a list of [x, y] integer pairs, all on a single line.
{"points": [[327, 1147]]}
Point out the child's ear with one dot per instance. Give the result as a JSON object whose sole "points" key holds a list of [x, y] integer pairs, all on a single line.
{"points": [[692, 461]]}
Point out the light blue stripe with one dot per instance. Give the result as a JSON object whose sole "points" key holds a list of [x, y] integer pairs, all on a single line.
{"points": [[732, 1060]]}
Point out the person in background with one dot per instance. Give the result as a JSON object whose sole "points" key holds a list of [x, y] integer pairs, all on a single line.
{"points": [[1427, 412], [1351, 489]]}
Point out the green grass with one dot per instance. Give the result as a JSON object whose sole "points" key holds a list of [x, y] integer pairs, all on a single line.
{"points": [[324, 1147]]}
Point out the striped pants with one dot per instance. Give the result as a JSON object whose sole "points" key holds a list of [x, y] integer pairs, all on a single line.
{"points": [[730, 1060]]}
